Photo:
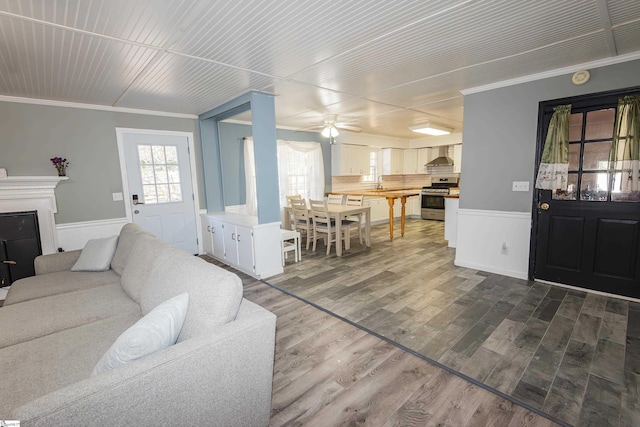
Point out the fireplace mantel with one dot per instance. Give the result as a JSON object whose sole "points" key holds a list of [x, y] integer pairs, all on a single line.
{"points": [[26, 183], [33, 193]]}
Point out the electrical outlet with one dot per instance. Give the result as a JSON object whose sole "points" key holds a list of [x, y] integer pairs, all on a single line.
{"points": [[504, 249], [520, 185]]}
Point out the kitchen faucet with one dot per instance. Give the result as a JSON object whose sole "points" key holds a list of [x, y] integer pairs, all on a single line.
{"points": [[379, 185]]}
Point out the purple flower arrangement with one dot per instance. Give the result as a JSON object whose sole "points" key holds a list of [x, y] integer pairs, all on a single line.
{"points": [[61, 165]]}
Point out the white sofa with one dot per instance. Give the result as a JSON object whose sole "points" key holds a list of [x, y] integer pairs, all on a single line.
{"points": [[55, 326]]}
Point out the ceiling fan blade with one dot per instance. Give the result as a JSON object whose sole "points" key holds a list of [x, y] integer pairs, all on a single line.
{"points": [[347, 126]]}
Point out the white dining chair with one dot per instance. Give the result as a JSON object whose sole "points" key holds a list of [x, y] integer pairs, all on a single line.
{"points": [[302, 221], [334, 199], [356, 220], [324, 225]]}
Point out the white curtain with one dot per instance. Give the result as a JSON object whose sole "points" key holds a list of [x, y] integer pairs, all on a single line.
{"points": [[250, 177], [300, 171]]}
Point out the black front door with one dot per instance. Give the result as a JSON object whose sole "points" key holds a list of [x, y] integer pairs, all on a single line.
{"points": [[587, 236]]}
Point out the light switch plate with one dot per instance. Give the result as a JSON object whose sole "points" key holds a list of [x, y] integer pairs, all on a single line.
{"points": [[520, 185], [116, 196]]}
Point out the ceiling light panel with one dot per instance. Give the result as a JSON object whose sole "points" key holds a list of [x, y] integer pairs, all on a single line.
{"points": [[45, 62]]}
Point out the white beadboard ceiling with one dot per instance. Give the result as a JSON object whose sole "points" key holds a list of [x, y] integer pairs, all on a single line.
{"points": [[384, 65]]}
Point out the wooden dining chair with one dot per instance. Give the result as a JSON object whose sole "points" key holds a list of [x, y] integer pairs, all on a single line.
{"points": [[302, 221], [334, 199], [289, 198], [324, 225], [356, 220]]}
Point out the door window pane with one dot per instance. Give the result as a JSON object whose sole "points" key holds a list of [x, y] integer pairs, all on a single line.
{"points": [[574, 157], [571, 193], [596, 156], [594, 187], [575, 127], [600, 124], [159, 167]]}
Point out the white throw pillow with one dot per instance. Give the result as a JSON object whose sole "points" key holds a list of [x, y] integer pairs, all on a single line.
{"points": [[96, 255], [157, 330]]}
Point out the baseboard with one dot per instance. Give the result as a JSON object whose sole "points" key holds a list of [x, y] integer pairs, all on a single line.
{"points": [[74, 235], [482, 236], [492, 269]]}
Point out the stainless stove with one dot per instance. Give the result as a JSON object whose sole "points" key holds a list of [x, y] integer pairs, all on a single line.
{"points": [[432, 197]]}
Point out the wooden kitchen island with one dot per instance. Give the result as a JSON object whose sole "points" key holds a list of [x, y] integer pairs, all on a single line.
{"points": [[391, 196]]}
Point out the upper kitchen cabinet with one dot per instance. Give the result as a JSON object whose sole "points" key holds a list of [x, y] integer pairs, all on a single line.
{"points": [[411, 161], [349, 159], [457, 158], [392, 161]]}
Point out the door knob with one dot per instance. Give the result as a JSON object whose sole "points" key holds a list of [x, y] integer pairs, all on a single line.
{"points": [[544, 206]]}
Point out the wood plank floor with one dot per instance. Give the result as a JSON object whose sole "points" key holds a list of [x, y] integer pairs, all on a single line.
{"points": [[571, 354], [330, 373]]}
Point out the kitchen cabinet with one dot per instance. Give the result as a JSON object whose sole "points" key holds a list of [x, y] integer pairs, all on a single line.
{"points": [[239, 241], [392, 161], [410, 165], [379, 208], [349, 159], [457, 158]]}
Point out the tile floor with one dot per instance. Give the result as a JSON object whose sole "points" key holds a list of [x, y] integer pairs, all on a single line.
{"points": [[571, 354]]}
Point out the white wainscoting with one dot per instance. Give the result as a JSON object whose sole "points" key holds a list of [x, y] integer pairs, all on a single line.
{"points": [[75, 235], [480, 239]]}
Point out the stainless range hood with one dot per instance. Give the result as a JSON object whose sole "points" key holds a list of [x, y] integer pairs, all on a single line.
{"points": [[442, 159]]}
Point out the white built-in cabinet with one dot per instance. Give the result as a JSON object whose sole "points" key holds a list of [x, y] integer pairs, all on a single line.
{"points": [[239, 241], [349, 159], [392, 161]]}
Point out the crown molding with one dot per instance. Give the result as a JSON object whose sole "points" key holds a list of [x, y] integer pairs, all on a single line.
{"points": [[66, 104], [553, 73]]}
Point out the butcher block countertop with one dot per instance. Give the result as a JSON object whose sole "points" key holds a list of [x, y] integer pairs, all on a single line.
{"points": [[394, 193]]}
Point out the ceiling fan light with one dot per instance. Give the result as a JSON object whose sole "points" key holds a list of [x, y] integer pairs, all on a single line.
{"points": [[330, 131], [431, 129]]}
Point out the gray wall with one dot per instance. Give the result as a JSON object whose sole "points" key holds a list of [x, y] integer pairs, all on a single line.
{"points": [[499, 136], [32, 134], [232, 157]]}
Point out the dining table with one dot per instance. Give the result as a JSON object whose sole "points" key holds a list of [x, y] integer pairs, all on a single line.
{"points": [[391, 195], [339, 213]]}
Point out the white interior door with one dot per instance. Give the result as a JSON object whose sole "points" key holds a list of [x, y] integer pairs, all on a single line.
{"points": [[160, 190]]}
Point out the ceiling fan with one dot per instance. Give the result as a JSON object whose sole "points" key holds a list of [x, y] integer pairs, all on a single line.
{"points": [[331, 125]]}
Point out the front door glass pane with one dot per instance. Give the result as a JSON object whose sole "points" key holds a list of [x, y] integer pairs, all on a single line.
{"points": [[160, 173], [596, 156], [600, 124], [594, 187], [574, 157], [575, 127]]}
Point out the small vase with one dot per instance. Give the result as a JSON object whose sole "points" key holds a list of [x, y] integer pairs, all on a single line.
{"points": [[62, 173]]}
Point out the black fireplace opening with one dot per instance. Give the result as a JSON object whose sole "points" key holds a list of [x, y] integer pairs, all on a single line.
{"points": [[19, 245]]}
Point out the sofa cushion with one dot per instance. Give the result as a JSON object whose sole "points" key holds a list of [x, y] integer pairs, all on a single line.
{"points": [[96, 255], [43, 316], [157, 330], [214, 293], [60, 282], [128, 236], [37, 367], [142, 260]]}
